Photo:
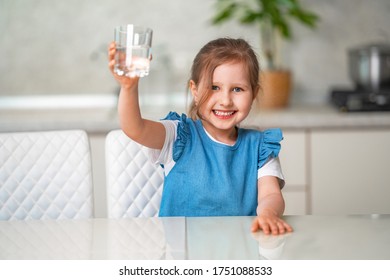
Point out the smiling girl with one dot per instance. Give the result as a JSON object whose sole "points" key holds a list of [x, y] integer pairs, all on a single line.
{"points": [[212, 166]]}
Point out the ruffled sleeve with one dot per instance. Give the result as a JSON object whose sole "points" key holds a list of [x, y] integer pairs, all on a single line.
{"points": [[270, 145], [183, 133]]}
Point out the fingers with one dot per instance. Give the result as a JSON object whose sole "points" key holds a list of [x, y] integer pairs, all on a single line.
{"points": [[111, 47], [255, 225], [123, 80], [274, 227], [111, 56], [287, 227]]}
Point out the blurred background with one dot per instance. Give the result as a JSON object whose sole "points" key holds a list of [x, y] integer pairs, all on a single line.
{"points": [[59, 47]]}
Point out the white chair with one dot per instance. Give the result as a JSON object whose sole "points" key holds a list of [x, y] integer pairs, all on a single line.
{"points": [[45, 175], [134, 184]]}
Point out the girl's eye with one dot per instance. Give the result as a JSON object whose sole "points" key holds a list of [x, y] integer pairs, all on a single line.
{"points": [[237, 89], [214, 87]]}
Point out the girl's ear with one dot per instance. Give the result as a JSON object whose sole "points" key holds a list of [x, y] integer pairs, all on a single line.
{"points": [[194, 91]]}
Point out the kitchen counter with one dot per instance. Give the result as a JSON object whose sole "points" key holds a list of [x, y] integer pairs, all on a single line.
{"points": [[315, 117], [96, 120], [94, 113], [102, 117]]}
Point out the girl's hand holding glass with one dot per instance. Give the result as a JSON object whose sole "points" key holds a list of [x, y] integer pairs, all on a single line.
{"points": [[123, 80]]}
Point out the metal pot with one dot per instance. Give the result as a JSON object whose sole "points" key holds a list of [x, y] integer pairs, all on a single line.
{"points": [[369, 67]]}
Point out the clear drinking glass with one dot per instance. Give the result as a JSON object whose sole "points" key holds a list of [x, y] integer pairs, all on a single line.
{"points": [[133, 50]]}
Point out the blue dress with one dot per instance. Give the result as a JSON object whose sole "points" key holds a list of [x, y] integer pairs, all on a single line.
{"points": [[212, 179]]}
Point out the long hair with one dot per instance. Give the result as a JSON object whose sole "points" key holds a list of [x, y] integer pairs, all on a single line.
{"points": [[214, 54]]}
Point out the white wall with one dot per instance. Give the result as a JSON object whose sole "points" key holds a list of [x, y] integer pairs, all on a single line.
{"points": [[56, 47]]}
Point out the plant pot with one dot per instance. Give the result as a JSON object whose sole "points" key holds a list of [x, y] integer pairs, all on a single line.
{"points": [[275, 89]]}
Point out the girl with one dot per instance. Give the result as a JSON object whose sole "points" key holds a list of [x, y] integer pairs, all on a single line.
{"points": [[212, 166]]}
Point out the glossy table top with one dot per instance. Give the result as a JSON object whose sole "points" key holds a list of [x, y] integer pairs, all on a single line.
{"points": [[314, 237]]}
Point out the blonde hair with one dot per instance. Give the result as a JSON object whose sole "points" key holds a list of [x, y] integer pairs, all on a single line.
{"points": [[214, 54]]}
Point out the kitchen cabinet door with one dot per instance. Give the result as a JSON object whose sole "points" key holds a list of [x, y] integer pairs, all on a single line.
{"points": [[293, 156], [350, 172]]}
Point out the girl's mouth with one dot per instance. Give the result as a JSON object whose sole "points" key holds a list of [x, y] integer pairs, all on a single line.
{"points": [[223, 114]]}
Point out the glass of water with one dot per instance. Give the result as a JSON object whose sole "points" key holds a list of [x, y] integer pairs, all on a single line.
{"points": [[133, 50]]}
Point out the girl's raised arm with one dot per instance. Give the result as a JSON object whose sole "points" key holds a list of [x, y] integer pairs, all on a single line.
{"points": [[146, 132]]}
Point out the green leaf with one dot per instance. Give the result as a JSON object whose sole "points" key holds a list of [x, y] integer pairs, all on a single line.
{"points": [[277, 12], [250, 17], [307, 18], [224, 14]]}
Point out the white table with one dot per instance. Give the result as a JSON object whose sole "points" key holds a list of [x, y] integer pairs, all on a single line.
{"points": [[314, 237]]}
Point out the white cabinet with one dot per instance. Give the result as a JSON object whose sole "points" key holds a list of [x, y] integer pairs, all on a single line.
{"points": [[293, 159], [350, 172]]}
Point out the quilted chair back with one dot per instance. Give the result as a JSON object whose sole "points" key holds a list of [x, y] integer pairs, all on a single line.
{"points": [[45, 175], [134, 184]]}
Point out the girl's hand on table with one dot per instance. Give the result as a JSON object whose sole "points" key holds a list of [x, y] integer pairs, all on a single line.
{"points": [[270, 223]]}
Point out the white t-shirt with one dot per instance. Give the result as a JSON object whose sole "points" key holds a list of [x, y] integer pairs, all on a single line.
{"points": [[164, 156]]}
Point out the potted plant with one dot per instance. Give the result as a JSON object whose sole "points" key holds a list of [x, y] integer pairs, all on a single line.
{"points": [[273, 17]]}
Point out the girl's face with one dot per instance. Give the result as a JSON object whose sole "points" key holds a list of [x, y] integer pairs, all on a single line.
{"points": [[228, 103]]}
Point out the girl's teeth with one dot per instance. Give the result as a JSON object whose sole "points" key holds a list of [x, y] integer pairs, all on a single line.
{"points": [[219, 113]]}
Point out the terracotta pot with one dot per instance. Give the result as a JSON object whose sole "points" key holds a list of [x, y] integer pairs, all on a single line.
{"points": [[276, 88]]}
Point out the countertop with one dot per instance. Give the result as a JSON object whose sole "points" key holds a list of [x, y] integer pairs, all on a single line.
{"points": [[101, 117], [315, 117], [355, 237]]}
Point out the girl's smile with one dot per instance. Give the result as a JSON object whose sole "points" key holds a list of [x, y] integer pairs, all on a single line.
{"points": [[224, 114], [228, 103]]}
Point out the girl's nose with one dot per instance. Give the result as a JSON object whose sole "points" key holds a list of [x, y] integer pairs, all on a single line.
{"points": [[226, 98]]}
